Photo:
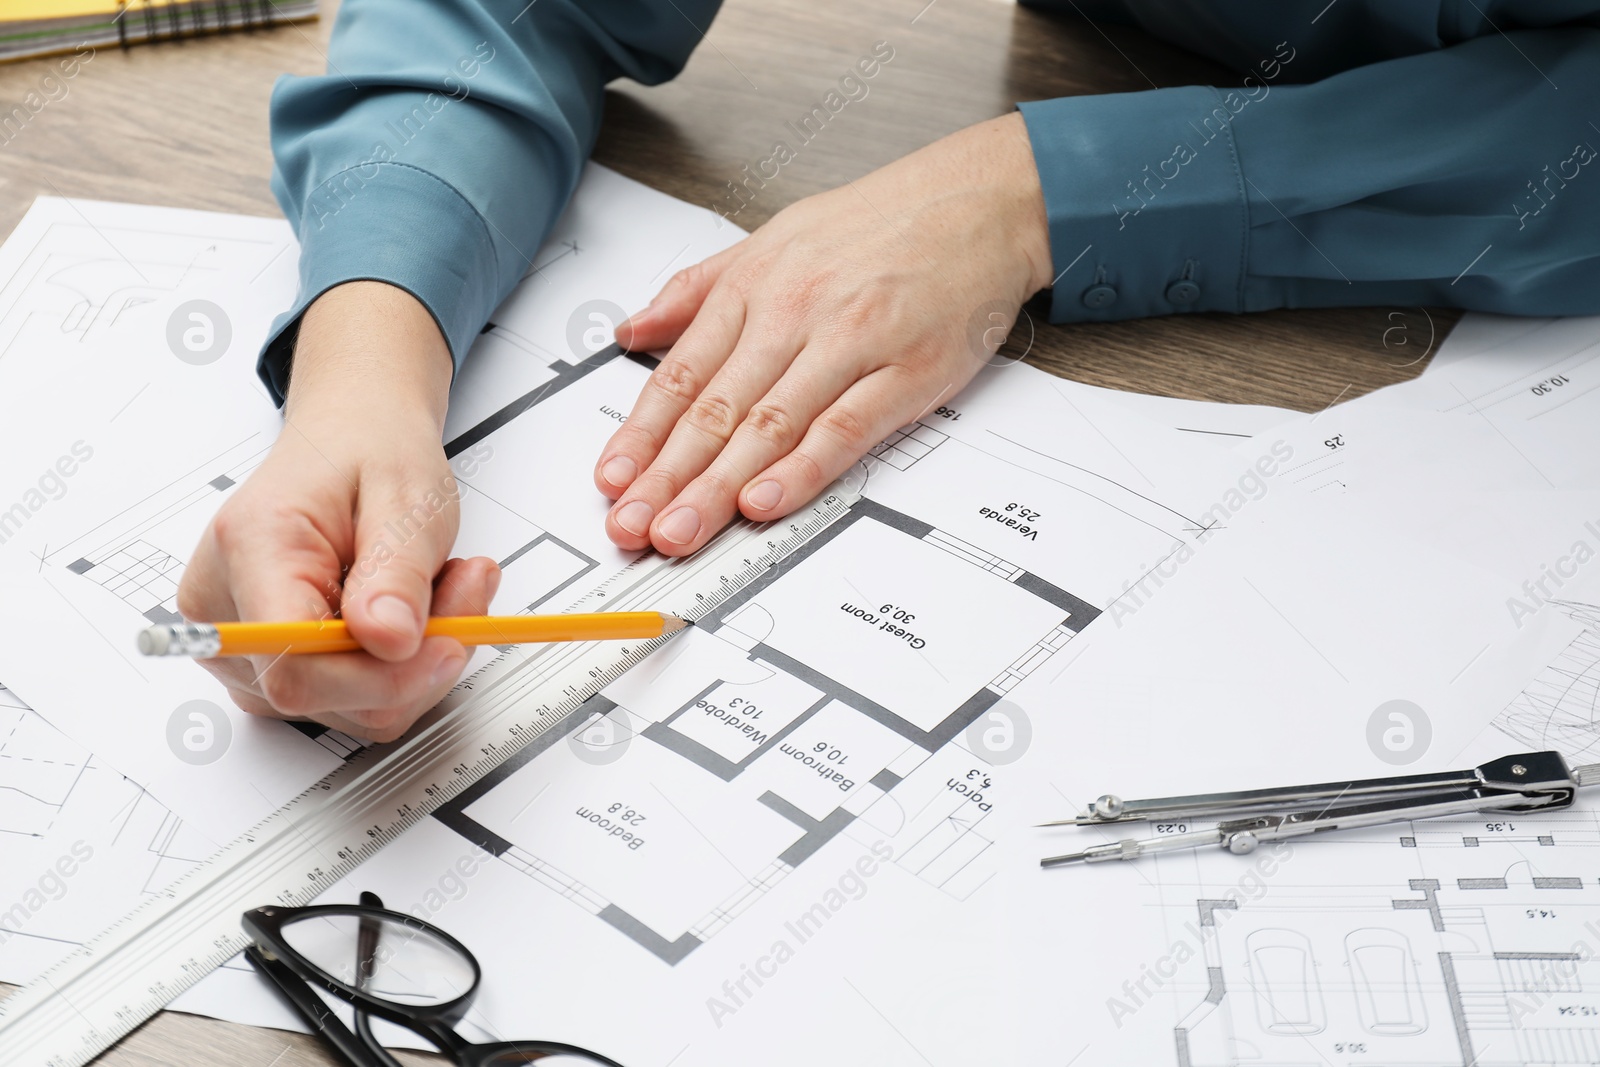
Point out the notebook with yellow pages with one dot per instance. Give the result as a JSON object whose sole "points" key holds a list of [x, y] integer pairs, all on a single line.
{"points": [[46, 27]]}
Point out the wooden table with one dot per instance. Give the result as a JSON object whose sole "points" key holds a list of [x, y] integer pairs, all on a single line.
{"points": [[186, 125]]}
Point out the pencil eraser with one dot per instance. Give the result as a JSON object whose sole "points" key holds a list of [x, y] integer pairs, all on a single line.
{"points": [[154, 640]]}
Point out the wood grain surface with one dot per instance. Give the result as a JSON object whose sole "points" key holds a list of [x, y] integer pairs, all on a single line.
{"points": [[186, 125]]}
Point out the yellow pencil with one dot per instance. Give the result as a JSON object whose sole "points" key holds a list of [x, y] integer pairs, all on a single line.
{"points": [[204, 640]]}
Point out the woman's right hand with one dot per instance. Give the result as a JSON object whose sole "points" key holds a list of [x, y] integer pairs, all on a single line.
{"points": [[353, 512]]}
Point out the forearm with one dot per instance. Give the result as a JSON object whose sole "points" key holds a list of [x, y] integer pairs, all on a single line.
{"points": [[370, 351], [1384, 185], [445, 141]]}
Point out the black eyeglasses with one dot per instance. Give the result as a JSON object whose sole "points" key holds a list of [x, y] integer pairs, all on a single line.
{"points": [[383, 963]]}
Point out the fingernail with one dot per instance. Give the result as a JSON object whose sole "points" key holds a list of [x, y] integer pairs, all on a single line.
{"points": [[620, 471], [392, 613], [765, 497], [635, 516], [680, 525], [496, 576], [447, 671], [633, 322]]}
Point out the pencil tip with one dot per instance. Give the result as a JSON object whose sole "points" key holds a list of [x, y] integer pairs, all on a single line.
{"points": [[671, 624]]}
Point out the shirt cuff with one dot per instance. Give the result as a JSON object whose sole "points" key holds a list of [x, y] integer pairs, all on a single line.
{"points": [[1146, 202], [394, 223]]}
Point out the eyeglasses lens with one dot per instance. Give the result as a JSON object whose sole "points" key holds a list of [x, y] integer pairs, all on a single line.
{"points": [[381, 957]]}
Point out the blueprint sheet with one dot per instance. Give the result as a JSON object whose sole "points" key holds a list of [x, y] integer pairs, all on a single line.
{"points": [[800, 830], [1511, 405], [1448, 564], [1282, 651], [1458, 941], [80, 846], [155, 443], [87, 292], [859, 677], [921, 929], [990, 535], [729, 825]]}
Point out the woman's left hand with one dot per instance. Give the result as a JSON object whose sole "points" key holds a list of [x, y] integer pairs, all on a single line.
{"points": [[849, 315]]}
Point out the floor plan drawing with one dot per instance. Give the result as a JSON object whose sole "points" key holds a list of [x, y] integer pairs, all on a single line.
{"points": [[548, 561], [139, 554], [836, 687], [835, 691], [1466, 941], [141, 574], [708, 797], [1485, 970]]}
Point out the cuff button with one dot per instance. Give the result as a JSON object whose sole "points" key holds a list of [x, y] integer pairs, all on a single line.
{"points": [[1097, 297], [1183, 293]]}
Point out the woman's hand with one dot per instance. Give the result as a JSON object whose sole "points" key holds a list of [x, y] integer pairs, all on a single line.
{"points": [[847, 316], [354, 511]]}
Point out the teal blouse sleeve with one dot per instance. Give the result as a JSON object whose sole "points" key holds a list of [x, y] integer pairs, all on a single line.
{"points": [[445, 139], [1455, 172]]}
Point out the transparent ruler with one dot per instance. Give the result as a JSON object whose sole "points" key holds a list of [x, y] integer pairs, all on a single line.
{"points": [[89, 1000]]}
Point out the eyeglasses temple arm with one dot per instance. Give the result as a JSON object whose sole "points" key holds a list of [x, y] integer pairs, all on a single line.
{"points": [[380, 1055], [311, 1008]]}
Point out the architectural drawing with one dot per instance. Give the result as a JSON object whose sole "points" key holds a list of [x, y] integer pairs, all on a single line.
{"points": [[38, 770], [80, 280], [1485, 970], [837, 687], [1465, 941], [545, 562], [141, 574], [701, 801], [835, 691], [1560, 709], [139, 554], [58, 801]]}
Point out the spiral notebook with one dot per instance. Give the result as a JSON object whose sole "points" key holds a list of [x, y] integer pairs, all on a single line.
{"points": [[45, 27]]}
